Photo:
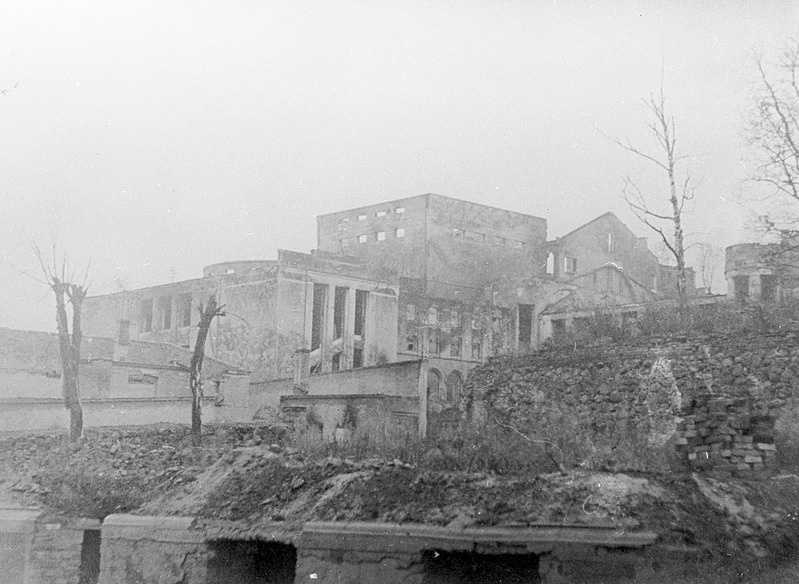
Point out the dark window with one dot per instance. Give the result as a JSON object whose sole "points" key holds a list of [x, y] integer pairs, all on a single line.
{"points": [[318, 315], [357, 358], [741, 284], [768, 288], [433, 385], [410, 343], [477, 348], [558, 326], [339, 303], [525, 325], [184, 309], [337, 362], [165, 312], [454, 384], [361, 298], [455, 347], [570, 265], [146, 315], [433, 345]]}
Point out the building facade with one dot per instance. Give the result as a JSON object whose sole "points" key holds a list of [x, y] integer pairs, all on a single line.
{"points": [[334, 306]]}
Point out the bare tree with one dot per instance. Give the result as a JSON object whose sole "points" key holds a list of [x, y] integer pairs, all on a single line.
{"points": [[663, 212], [707, 256], [773, 125], [67, 292], [207, 316]]}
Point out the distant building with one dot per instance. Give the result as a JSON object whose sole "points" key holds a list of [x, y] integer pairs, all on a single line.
{"points": [[426, 277], [338, 308], [758, 273]]}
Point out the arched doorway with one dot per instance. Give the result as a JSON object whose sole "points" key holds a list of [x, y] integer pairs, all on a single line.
{"points": [[433, 385]]}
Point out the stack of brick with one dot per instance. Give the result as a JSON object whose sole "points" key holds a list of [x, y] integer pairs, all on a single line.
{"points": [[720, 435]]}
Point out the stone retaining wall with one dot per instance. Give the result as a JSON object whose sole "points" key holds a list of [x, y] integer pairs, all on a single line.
{"points": [[719, 396]]}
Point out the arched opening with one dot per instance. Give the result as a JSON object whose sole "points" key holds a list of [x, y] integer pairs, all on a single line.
{"points": [[433, 385], [454, 386]]}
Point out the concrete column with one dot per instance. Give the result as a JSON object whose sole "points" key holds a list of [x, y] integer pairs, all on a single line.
{"points": [[302, 370], [327, 330], [349, 329]]}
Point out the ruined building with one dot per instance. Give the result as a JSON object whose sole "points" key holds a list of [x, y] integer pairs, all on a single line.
{"points": [[425, 277]]}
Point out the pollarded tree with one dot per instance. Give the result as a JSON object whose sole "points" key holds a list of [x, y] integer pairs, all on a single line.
{"points": [[207, 316], [67, 292], [662, 211]]}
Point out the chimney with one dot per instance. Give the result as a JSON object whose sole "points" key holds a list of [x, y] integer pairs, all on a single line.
{"points": [[122, 342], [302, 370]]}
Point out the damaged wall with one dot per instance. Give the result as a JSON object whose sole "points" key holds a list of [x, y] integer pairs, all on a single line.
{"points": [[720, 396]]}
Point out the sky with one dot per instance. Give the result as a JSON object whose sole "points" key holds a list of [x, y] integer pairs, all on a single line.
{"points": [[152, 138]]}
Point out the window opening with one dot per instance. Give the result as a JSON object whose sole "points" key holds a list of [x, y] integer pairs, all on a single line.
{"points": [[165, 312], [184, 310], [318, 315], [251, 562], [146, 320], [361, 298], [357, 358], [89, 570]]}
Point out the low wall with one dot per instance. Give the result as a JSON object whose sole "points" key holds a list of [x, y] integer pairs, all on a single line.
{"points": [[152, 550], [341, 417], [393, 379], [719, 396], [49, 413]]}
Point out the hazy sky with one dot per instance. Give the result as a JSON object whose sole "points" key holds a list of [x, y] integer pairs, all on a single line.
{"points": [[159, 137]]}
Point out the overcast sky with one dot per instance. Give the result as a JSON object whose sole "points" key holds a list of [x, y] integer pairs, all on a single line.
{"points": [[159, 137]]}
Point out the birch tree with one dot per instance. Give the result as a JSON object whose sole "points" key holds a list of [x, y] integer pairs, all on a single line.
{"points": [[662, 209]]}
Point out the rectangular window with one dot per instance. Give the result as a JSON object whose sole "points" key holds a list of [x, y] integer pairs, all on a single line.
{"points": [[362, 238], [381, 236], [339, 302], [768, 288], [570, 265], [558, 326], [455, 347], [184, 309], [146, 315], [165, 312], [361, 298], [433, 346], [399, 210], [399, 232], [410, 343], [525, 325], [336, 366], [380, 214], [455, 319], [361, 217], [477, 346], [432, 315], [357, 358], [410, 312]]}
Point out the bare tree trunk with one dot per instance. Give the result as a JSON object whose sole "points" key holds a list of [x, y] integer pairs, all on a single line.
{"points": [[195, 369], [70, 351]]}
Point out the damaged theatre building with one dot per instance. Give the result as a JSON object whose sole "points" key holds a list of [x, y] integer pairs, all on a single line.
{"points": [[400, 300]]}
